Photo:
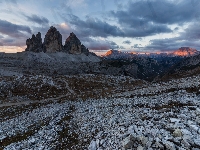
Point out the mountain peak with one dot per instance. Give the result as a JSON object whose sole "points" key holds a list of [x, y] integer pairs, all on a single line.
{"points": [[72, 34], [110, 52], [53, 40], [53, 43], [73, 45], [72, 37], [185, 51]]}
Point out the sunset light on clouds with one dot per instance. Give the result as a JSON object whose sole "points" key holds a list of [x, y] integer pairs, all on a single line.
{"points": [[99, 74], [135, 25]]}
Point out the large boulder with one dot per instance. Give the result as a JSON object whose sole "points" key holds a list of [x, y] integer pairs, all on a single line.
{"points": [[34, 44], [74, 46], [53, 41]]}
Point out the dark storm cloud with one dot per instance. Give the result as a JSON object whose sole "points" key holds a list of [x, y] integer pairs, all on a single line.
{"points": [[146, 30], [98, 44], [171, 44], [95, 27], [150, 17], [137, 46], [192, 32], [13, 30], [37, 19], [8, 40], [176, 29], [164, 44], [158, 12], [113, 45], [139, 19], [12, 41], [127, 42], [189, 38], [16, 35]]}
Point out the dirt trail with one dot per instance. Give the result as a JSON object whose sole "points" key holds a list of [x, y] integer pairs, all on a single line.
{"points": [[29, 101]]}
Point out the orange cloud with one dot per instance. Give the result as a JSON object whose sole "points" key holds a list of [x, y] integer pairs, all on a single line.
{"points": [[12, 49]]}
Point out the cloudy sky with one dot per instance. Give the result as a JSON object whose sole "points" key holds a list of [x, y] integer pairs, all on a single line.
{"points": [[127, 25]]}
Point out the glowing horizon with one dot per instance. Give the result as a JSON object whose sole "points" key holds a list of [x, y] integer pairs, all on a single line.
{"points": [[103, 25]]}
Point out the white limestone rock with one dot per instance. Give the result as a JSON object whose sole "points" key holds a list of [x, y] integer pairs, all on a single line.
{"points": [[177, 133], [92, 146]]}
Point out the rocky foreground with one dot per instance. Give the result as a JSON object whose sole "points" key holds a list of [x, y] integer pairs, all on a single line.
{"points": [[132, 115]]}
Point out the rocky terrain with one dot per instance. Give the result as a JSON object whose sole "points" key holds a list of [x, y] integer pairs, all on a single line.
{"points": [[156, 66], [143, 67], [94, 111], [55, 96], [186, 68], [99, 112]]}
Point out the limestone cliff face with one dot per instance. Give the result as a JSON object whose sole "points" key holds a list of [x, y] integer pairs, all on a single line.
{"points": [[34, 44], [74, 46], [53, 41], [84, 50]]}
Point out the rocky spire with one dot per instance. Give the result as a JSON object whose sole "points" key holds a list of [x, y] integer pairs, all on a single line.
{"points": [[53, 41], [73, 45], [34, 44]]}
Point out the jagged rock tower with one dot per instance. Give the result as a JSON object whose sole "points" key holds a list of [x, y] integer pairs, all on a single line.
{"points": [[53, 41], [74, 46], [35, 43]]}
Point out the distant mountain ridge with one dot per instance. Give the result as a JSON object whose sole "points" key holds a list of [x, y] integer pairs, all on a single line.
{"points": [[186, 51], [150, 66], [53, 58], [181, 52], [115, 54], [187, 67]]}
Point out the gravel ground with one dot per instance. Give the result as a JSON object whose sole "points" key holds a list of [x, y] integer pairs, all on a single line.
{"points": [[135, 115], [165, 121]]}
